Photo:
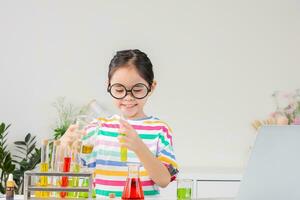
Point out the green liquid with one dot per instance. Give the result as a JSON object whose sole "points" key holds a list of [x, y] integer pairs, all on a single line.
{"points": [[184, 193], [85, 183], [74, 181]]}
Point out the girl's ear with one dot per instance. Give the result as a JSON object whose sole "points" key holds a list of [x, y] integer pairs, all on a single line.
{"points": [[153, 86]]}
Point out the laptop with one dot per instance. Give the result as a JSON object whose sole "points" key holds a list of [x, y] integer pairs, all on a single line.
{"points": [[273, 171]]}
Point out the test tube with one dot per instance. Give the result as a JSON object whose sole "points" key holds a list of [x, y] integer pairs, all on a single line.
{"points": [[123, 150], [54, 165], [44, 167], [66, 167], [75, 167]]}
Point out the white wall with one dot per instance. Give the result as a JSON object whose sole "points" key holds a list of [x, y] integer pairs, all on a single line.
{"points": [[216, 62]]}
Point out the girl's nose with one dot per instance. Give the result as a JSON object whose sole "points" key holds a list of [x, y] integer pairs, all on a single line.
{"points": [[129, 97]]}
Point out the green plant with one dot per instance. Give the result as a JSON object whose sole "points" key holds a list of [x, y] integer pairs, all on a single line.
{"points": [[66, 116], [6, 164], [27, 159]]}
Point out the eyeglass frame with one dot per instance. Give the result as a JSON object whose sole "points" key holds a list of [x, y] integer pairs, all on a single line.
{"points": [[127, 91]]}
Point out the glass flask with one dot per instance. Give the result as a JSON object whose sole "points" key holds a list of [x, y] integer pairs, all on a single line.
{"points": [[133, 186]]}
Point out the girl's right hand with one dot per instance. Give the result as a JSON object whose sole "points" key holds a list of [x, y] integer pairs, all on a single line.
{"points": [[71, 135]]}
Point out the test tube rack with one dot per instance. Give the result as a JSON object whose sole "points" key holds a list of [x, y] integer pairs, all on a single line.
{"points": [[28, 187]]}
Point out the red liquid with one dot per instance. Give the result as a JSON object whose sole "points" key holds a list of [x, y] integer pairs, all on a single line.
{"points": [[64, 179], [133, 189], [67, 164]]}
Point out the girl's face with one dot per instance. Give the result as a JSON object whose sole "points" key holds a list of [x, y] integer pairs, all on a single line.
{"points": [[130, 107]]}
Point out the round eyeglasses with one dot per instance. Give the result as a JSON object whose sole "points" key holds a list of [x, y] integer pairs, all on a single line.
{"points": [[119, 91]]}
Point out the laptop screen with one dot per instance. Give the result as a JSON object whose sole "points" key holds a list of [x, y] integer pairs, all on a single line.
{"points": [[273, 170]]}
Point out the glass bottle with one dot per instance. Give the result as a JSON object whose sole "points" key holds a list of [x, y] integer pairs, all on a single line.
{"points": [[10, 188], [133, 186]]}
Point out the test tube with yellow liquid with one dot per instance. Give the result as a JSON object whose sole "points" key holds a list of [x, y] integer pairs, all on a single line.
{"points": [[44, 167], [123, 150]]}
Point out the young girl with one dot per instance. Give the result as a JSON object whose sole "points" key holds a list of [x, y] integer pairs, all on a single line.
{"points": [[148, 139]]}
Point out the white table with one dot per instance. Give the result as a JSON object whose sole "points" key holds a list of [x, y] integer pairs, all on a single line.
{"points": [[20, 197]]}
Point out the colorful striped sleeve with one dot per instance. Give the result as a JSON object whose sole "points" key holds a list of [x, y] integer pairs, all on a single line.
{"points": [[166, 152], [91, 136]]}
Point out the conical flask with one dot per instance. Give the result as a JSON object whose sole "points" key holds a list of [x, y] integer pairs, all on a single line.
{"points": [[133, 186]]}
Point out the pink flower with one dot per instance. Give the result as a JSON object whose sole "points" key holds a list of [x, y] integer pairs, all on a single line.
{"points": [[296, 121], [273, 114]]}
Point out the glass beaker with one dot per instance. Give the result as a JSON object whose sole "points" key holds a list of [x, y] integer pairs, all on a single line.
{"points": [[184, 189], [133, 186], [87, 146]]}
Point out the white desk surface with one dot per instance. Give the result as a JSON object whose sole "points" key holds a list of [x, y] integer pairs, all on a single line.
{"points": [[20, 197]]}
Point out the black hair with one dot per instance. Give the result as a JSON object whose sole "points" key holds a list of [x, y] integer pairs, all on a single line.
{"points": [[135, 57]]}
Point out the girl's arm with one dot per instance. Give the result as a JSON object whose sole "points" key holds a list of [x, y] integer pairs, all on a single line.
{"points": [[156, 169]]}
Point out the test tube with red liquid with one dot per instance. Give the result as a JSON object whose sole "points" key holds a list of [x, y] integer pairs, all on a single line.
{"points": [[66, 168]]}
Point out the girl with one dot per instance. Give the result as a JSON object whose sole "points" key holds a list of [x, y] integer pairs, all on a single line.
{"points": [[148, 139]]}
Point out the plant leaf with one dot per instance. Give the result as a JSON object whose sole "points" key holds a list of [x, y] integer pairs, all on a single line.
{"points": [[7, 127], [27, 137], [32, 139], [31, 149], [22, 148], [20, 152], [20, 143], [2, 128]]}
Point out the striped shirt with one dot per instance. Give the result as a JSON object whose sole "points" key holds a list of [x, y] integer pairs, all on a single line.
{"points": [[110, 171]]}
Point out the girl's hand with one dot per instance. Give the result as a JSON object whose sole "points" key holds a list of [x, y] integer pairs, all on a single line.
{"points": [[71, 135], [130, 137]]}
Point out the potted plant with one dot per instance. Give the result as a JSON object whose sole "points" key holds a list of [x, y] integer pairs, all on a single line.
{"points": [[27, 158]]}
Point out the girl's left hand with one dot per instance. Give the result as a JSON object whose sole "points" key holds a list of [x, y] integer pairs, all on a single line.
{"points": [[130, 139]]}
